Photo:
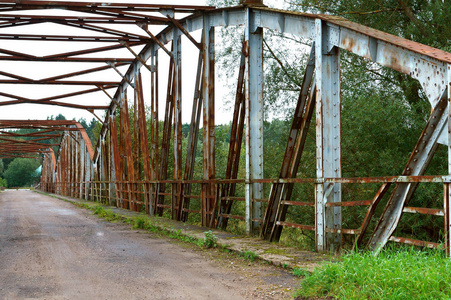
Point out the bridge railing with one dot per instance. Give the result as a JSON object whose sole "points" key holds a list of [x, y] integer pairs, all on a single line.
{"points": [[208, 203]]}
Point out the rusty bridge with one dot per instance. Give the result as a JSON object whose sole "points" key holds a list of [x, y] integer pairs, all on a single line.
{"points": [[140, 163]]}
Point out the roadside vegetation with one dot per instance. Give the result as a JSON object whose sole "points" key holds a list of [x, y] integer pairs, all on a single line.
{"points": [[395, 274], [145, 223]]}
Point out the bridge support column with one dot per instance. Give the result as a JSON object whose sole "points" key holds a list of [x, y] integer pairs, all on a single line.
{"points": [[254, 122], [447, 186], [177, 54], [208, 97], [328, 149], [154, 129]]}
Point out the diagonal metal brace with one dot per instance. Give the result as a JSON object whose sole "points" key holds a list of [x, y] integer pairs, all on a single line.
{"points": [[126, 45], [156, 40], [293, 153], [185, 32], [416, 166], [112, 65]]}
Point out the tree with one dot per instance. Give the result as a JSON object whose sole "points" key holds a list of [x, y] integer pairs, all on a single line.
{"points": [[21, 172]]}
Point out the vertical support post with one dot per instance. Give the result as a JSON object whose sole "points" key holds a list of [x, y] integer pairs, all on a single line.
{"points": [[143, 138], [67, 166], [82, 167], [112, 171], [208, 97], [75, 170], [447, 192], [254, 121], [192, 142], [87, 175], [154, 128], [102, 169], [446, 203], [177, 53], [129, 153], [71, 157], [165, 143], [236, 140], [328, 145], [105, 172]]}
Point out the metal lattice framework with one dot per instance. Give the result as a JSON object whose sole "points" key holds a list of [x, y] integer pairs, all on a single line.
{"points": [[129, 167]]}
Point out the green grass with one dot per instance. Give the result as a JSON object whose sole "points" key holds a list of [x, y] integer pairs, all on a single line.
{"points": [[143, 222], [299, 272], [394, 274], [248, 255], [211, 240], [106, 214]]}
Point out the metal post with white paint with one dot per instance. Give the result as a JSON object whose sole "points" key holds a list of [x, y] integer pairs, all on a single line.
{"points": [[254, 120], [328, 137]]}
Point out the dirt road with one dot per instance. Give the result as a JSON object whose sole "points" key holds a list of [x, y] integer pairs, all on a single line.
{"points": [[50, 249]]}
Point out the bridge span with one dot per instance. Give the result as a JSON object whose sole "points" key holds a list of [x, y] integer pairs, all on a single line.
{"points": [[140, 161]]}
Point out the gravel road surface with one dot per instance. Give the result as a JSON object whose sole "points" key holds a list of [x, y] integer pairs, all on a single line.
{"points": [[50, 249]]}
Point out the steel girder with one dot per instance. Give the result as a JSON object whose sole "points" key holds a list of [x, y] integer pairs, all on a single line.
{"points": [[253, 39]]}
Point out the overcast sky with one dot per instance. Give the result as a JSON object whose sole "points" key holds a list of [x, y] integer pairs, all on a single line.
{"points": [[37, 70]]}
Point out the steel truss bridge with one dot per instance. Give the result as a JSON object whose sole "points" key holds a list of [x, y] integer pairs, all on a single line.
{"points": [[129, 165]]}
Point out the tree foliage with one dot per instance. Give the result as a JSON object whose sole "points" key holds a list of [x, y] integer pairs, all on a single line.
{"points": [[21, 172]]}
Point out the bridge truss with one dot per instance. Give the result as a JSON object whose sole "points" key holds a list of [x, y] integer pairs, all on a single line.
{"points": [[130, 165]]}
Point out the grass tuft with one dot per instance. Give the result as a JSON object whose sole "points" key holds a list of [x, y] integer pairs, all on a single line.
{"points": [[106, 214], [298, 272], [249, 255], [211, 240], [401, 274]]}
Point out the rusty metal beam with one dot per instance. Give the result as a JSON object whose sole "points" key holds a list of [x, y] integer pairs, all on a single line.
{"points": [[89, 51], [34, 4], [68, 59], [104, 30], [82, 72], [125, 44], [69, 38], [156, 40], [419, 160], [65, 82], [124, 19], [293, 153], [236, 140], [125, 78], [154, 129], [177, 131], [371, 210], [143, 138], [62, 104], [208, 99], [193, 137], [185, 32], [131, 175]]}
